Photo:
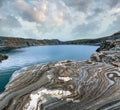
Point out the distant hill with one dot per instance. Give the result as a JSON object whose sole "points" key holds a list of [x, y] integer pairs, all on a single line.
{"points": [[97, 41], [7, 43]]}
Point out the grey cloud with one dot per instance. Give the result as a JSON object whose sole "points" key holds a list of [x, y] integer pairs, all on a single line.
{"points": [[75, 14], [80, 5], [1, 3], [24, 10], [112, 29], [27, 16], [96, 12], [86, 30], [65, 9], [5, 2], [112, 3], [115, 27], [9, 22]]}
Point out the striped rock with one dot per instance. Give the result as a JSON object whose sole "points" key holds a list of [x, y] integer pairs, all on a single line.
{"points": [[64, 85]]}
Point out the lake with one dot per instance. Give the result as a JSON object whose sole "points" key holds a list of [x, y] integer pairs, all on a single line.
{"points": [[22, 57]]}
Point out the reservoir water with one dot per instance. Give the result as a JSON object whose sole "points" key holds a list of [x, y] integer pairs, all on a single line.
{"points": [[22, 57]]}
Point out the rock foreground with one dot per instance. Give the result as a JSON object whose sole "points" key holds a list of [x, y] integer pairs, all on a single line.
{"points": [[67, 85]]}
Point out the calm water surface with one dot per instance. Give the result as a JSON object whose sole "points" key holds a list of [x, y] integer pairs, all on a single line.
{"points": [[41, 54]]}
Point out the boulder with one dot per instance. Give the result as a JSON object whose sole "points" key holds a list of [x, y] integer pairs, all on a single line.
{"points": [[3, 57]]}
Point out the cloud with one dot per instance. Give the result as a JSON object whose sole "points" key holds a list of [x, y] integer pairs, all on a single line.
{"points": [[112, 3], [63, 19], [9, 25], [115, 27], [59, 18], [1, 2], [91, 30], [31, 13], [80, 5], [9, 21]]}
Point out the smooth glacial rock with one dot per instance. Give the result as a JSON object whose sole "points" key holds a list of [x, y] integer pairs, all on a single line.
{"points": [[64, 85]]}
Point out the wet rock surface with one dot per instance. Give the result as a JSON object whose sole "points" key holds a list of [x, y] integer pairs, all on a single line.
{"points": [[67, 85]]}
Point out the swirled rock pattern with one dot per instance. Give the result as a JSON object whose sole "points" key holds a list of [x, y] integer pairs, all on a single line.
{"points": [[67, 85], [109, 54]]}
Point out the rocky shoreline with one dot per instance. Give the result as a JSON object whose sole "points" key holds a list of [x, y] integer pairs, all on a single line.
{"points": [[3, 57], [67, 85]]}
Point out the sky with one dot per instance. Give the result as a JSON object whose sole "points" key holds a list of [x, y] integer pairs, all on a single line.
{"points": [[59, 19]]}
